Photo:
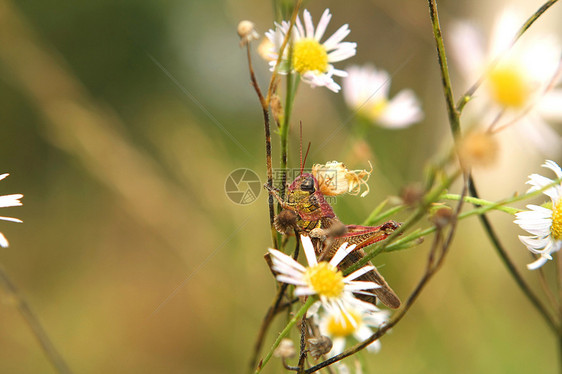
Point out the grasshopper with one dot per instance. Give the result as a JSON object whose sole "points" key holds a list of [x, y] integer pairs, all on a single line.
{"points": [[307, 211]]}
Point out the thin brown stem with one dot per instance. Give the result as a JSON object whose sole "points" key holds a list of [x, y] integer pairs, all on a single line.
{"points": [[33, 323], [275, 308], [502, 253], [302, 354], [265, 112], [281, 51]]}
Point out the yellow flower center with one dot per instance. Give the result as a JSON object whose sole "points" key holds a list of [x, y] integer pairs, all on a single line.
{"points": [[325, 279], [510, 87], [343, 327], [556, 228], [309, 55], [377, 108]]}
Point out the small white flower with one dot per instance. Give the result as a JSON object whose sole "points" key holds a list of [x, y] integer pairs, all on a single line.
{"points": [[358, 324], [518, 90], [324, 279], [545, 224], [311, 58], [8, 201], [366, 90], [335, 179]]}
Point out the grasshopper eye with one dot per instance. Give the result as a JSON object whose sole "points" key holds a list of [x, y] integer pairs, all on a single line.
{"points": [[307, 184]]}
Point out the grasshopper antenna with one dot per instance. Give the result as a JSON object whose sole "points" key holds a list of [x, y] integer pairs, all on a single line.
{"points": [[303, 161], [300, 147]]}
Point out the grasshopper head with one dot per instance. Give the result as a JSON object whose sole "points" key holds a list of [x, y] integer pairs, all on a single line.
{"points": [[301, 188]]}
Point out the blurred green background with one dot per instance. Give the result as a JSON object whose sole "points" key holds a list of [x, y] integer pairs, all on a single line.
{"points": [[131, 253]]}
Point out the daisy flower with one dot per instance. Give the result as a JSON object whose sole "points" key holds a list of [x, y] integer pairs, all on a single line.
{"points": [[323, 278], [358, 324], [8, 201], [311, 59], [365, 90], [519, 87], [544, 223]]}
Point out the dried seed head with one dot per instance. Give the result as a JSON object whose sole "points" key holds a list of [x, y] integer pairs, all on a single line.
{"points": [[478, 149], [411, 195], [442, 216], [247, 32], [286, 221], [286, 349], [319, 346]]}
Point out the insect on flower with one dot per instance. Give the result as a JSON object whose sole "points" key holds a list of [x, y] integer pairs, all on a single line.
{"points": [[307, 211]]}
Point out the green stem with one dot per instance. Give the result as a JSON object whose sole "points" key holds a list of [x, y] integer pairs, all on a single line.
{"points": [[482, 202], [300, 313], [445, 78]]}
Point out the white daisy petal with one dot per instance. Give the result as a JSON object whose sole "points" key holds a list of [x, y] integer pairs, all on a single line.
{"points": [[291, 280], [550, 105], [3, 241], [12, 200], [283, 258], [534, 242], [322, 24], [309, 250], [360, 285], [544, 223], [336, 38], [537, 264], [341, 253], [356, 274], [366, 90], [304, 291], [11, 219], [554, 167], [308, 25]]}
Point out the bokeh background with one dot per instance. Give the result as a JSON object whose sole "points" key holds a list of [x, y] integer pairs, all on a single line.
{"points": [[121, 121]]}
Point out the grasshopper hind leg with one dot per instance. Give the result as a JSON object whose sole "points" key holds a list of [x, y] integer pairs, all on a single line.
{"points": [[386, 295]]}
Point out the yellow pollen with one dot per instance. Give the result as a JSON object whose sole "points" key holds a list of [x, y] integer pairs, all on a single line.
{"points": [[556, 228], [309, 55], [510, 87], [343, 327], [325, 279]]}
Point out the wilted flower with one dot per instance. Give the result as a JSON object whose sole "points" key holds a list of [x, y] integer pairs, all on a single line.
{"points": [[366, 90], [544, 223], [8, 201], [335, 179], [518, 89], [323, 278], [310, 58]]}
